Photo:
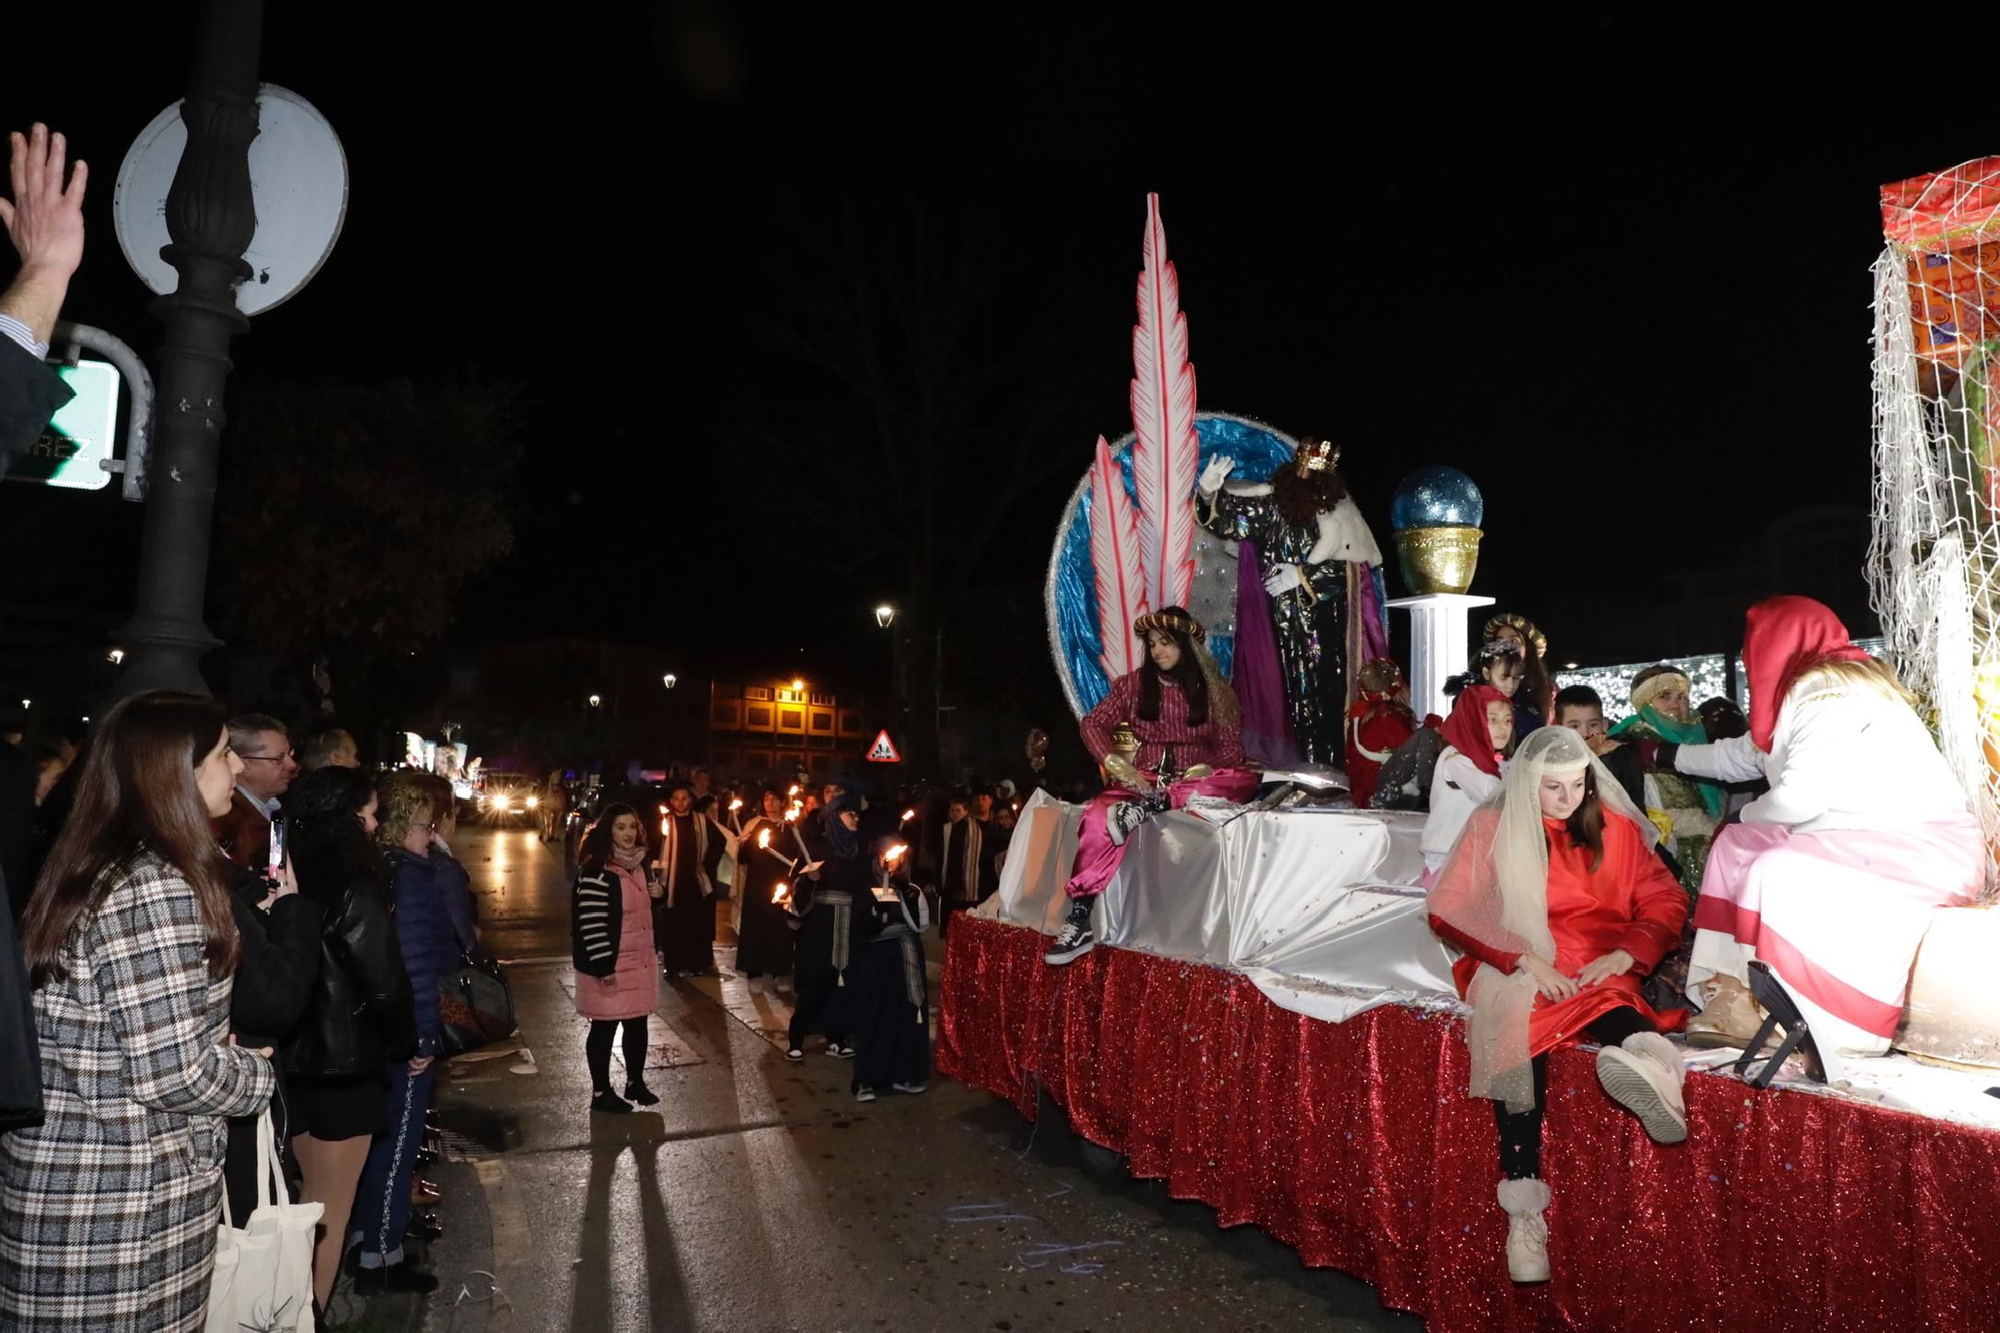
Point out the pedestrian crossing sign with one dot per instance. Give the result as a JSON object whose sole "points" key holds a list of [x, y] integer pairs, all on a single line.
{"points": [[883, 751]]}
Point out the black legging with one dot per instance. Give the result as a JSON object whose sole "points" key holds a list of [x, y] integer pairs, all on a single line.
{"points": [[1521, 1133], [597, 1050]]}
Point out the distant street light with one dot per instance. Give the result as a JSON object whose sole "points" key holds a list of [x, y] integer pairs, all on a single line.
{"points": [[798, 683], [670, 680], [885, 615], [596, 699], [1569, 666]]}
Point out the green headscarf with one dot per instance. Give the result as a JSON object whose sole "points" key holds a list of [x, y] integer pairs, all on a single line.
{"points": [[1650, 724]]}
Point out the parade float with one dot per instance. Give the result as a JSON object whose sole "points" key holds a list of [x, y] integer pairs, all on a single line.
{"points": [[1272, 1028]]}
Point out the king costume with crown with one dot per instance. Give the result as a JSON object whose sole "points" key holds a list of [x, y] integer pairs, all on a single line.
{"points": [[1311, 542], [1277, 563]]}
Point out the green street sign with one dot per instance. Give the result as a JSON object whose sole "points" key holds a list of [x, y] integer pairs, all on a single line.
{"points": [[78, 439]]}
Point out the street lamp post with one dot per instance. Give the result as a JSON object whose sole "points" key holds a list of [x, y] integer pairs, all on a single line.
{"points": [[898, 712], [211, 218], [669, 680]]}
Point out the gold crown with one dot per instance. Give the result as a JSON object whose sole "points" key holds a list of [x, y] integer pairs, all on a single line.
{"points": [[1317, 455]]}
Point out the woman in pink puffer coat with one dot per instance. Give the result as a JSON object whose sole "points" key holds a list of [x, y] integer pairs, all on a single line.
{"points": [[611, 943]]}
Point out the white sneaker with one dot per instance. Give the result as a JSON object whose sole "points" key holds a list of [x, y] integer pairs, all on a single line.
{"points": [[911, 1088], [864, 1094], [1527, 1229], [1644, 1076]]}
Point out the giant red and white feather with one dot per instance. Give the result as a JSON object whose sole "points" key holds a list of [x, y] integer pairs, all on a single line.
{"points": [[1167, 453], [1114, 556]]}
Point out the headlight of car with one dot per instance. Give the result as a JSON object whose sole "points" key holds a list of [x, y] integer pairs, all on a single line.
{"points": [[534, 802], [502, 803]]}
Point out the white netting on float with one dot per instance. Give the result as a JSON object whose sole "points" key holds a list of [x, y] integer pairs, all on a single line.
{"points": [[1934, 560]]}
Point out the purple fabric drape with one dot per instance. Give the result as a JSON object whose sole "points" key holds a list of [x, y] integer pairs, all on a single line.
{"points": [[1374, 615], [1258, 675]]}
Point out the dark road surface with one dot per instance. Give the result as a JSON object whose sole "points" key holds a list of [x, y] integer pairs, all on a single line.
{"points": [[759, 1195]]}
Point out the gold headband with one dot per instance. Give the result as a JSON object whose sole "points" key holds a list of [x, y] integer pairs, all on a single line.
{"points": [[1521, 626], [1655, 686], [1153, 620]]}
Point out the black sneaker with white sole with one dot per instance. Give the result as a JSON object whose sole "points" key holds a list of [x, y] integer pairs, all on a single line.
{"points": [[1075, 939], [1124, 817]]}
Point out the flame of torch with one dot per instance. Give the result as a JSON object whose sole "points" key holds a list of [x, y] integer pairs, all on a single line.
{"points": [[908, 815], [794, 790], [894, 853], [736, 804], [764, 839], [780, 893]]}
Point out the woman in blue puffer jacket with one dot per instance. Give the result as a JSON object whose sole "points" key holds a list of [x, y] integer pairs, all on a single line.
{"points": [[407, 822]]}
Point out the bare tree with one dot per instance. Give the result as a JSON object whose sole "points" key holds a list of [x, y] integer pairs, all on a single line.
{"points": [[923, 383], [352, 515]]}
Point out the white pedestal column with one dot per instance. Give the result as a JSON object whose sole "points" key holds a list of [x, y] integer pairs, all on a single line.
{"points": [[1440, 644]]}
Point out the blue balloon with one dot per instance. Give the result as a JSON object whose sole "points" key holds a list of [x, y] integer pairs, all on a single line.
{"points": [[1437, 497]]}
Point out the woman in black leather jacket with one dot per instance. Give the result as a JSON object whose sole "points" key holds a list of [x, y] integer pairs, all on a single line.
{"points": [[362, 1013], [275, 979]]}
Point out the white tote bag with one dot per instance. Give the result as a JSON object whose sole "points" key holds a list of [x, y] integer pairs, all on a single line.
{"points": [[263, 1270]]}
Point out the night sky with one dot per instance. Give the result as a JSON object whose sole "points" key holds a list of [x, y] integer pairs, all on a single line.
{"points": [[1617, 273]]}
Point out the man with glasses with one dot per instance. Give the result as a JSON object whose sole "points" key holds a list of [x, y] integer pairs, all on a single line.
{"points": [[269, 766]]}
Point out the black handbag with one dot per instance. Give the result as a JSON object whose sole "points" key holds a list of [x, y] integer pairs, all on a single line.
{"points": [[475, 1006]]}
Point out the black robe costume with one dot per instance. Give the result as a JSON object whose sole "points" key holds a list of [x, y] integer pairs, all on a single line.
{"points": [[763, 930], [892, 1016], [964, 869], [691, 849], [836, 924]]}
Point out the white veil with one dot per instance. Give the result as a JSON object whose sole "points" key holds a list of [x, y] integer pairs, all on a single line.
{"points": [[1493, 888]]}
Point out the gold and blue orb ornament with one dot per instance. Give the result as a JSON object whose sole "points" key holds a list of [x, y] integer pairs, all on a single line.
{"points": [[1436, 514], [1437, 497]]}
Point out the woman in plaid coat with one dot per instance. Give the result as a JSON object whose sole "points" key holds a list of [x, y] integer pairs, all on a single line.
{"points": [[108, 1210]]}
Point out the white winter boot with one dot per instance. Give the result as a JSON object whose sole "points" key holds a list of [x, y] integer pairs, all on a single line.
{"points": [[1527, 1231], [1644, 1076]]}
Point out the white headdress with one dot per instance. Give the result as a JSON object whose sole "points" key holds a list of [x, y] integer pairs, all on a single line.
{"points": [[1494, 888]]}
